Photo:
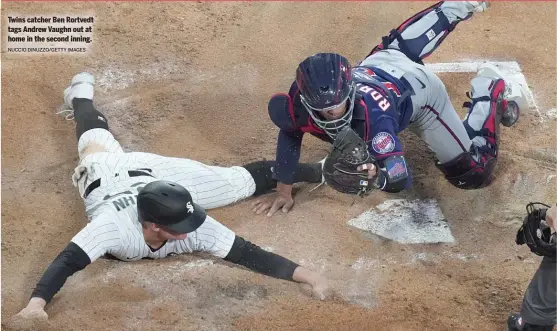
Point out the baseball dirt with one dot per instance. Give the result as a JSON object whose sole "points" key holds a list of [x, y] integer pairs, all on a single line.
{"points": [[193, 80]]}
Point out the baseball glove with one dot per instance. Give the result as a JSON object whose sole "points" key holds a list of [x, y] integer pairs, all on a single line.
{"points": [[340, 169], [535, 233]]}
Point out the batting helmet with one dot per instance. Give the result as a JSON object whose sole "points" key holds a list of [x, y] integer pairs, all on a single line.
{"points": [[169, 205], [325, 82], [535, 233]]}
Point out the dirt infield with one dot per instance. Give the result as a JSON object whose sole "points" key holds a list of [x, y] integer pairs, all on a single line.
{"points": [[193, 80]]}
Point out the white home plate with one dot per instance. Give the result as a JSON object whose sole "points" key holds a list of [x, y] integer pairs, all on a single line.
{"points": [[407, 222]]}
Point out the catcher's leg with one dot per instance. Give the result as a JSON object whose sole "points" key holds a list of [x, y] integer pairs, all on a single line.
{"points": [[474, 168], [422, 33]]}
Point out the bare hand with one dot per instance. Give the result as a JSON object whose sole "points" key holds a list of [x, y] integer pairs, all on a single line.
{"points": [[33, 313], [273, 202], [551, 218], [30, 317], [320, 288], [370, 167], [280, 200], [319, 284]]}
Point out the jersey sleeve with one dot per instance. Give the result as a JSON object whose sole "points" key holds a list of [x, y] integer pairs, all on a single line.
{"points": [[71, 260], [99, 237], [289, 144], [385, 145], [384, 141], [213, 237], [282, 113]]}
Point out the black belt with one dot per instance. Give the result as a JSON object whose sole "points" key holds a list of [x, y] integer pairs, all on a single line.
{"points": [[131, 173]]}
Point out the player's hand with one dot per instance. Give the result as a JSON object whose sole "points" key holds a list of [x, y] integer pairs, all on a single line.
{"points": [[371, 170], [320, 287], [34, 310], [32, 317], [551, 218], [281, 200], [319, 284]]}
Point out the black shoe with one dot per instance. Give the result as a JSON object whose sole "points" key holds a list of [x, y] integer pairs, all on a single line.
{"points": [[515, 322], [510, 114]]}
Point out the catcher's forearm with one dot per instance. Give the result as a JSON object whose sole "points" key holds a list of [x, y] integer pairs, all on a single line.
{"points": [[287, 155], [254, 258], [68, 262]]}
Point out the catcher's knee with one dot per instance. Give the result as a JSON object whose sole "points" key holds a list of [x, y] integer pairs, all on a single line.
{"points": [[466, 173]]}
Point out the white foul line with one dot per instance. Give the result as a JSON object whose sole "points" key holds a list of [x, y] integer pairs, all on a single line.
{"points": [[509, 67]]}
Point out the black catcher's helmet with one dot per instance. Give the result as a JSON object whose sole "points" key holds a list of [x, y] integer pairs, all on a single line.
{"points": [[325, 82]]}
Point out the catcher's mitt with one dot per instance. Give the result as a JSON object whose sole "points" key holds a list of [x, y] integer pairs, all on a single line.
{"points": [[341, 165], [535, 233]]}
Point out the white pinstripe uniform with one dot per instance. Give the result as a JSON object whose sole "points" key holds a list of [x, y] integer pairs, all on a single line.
{"points": [[111, 208]]}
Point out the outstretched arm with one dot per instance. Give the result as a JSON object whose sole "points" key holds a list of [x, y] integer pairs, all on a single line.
{"points": [[218, 240], [71, 260], [99, 237], [259, 260]]}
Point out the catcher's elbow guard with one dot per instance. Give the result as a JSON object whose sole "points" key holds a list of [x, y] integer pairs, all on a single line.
{"points": [[394, 177]]}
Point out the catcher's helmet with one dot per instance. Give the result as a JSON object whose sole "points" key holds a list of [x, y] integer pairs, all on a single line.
{"points": [[535, 233], [170, 205], [325, 82]]}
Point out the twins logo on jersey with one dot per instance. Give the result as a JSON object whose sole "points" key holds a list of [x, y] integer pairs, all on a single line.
{"points": [[383, 143]]}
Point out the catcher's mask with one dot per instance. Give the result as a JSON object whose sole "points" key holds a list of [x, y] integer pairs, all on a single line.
{"points": [[325, 82], [535, 233]]}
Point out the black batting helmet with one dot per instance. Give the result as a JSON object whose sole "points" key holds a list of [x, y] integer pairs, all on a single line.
{"points": [[170, 205], [325, 82], [535, 233]]}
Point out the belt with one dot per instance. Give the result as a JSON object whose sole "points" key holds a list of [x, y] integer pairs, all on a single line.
{"points": [[131, 173]]}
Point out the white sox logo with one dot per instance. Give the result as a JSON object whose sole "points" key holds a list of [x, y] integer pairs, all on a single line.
{"points": [[190, 207], [383, 143]]}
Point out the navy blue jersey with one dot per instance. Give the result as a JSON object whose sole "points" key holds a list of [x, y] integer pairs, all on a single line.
{"points": [[381, 111]]}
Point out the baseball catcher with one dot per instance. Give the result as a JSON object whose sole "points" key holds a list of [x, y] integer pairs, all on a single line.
{"points": [[539, 305], [143, 205], [388, 92]]}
